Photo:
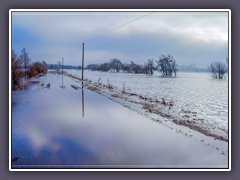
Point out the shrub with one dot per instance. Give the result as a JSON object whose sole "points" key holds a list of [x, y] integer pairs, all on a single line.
{"points": [[37, 68]]}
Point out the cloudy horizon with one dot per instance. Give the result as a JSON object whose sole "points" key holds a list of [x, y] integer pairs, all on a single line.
{"points": [[191, 37]]}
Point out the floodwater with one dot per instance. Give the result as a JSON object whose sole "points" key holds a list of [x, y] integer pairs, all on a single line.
{"points": [[196, 92], [68, 127]]}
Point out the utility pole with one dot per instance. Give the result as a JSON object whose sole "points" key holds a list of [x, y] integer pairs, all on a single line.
{"points": [[62, 64], [82, 59]]}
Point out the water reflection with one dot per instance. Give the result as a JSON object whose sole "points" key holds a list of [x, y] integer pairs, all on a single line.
{"points": [[48, 132], [82, 100], [76, 87], [62, 86], [197, 92]]}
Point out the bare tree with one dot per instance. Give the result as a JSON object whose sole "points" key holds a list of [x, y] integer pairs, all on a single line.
{"points": [[167, 65], [132, 66], [93, 67], [174, 67], [16, 71], [136, 68], [116, 64], [104, 67], [126, 68], [24, 57], [149, 66], [227, 61], [217, 69]]}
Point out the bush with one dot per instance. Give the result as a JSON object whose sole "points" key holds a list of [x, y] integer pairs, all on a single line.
{"points": [[21, 70], [37, 68]]}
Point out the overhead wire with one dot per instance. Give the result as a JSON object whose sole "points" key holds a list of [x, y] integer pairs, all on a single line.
{"points": [[117, 27]]}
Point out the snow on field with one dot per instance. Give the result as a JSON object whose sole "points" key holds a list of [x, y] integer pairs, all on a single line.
{"points": [[195, 97]]}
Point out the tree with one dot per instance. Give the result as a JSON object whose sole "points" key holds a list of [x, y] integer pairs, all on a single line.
{"points": [[126, 68], [16, 71], [174, 67], [104, 67], [217, 69], [93, 67], [167, 65], [132, 67], [149, 66], [115, 64], [24, 57], [227, 61], [136, 68]]}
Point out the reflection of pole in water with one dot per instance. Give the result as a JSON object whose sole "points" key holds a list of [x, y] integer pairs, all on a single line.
{"points": [[82, 79], [62, 86], [82, 100], [62, 70]]}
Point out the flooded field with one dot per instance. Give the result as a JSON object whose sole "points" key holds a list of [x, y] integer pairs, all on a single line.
{"points": [[58, 123], [189, 92]]}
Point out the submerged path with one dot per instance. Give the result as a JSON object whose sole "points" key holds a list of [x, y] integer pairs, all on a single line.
{"points": [[63, 125]]}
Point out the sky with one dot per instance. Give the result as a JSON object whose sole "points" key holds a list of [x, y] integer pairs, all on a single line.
{"points": [[190, 37]]}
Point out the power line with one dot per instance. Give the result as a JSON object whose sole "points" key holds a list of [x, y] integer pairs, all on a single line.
{"points": [[111, 30]]}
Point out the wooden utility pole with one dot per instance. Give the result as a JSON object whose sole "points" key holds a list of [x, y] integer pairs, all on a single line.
{"points": [[82, 59], [62, 64]]}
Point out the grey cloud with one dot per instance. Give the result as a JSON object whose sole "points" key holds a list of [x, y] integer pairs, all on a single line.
{"points": [[191, 37]]}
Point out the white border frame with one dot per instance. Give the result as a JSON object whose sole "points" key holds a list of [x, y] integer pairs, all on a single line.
{"points": [[123, 10]]}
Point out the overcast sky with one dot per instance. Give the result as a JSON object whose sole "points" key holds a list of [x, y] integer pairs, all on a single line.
{"points": [[191, 37]]}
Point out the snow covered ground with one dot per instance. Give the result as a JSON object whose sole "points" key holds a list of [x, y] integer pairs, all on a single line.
{"points": [[66, 126], [195, 96]]}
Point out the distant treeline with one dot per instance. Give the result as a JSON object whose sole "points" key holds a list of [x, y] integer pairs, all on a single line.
{"points": [[166, 65], [115, 65], [192, 68], [59, 66]]}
